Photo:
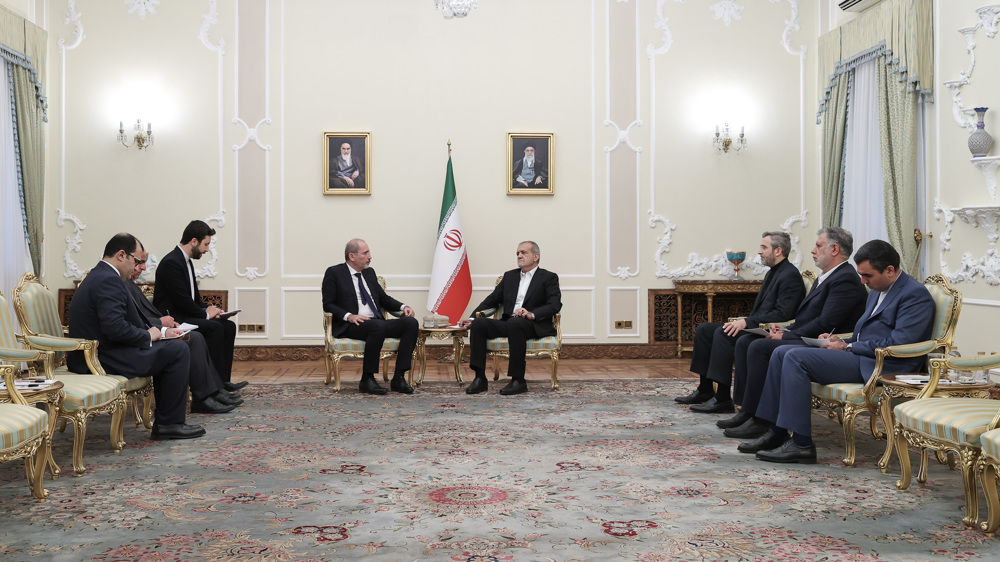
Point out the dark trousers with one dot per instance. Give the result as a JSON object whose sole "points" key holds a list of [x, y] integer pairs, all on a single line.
{"points": [[517, 331], [713, 355], [204, 379], [374, 331], [752, 356], [220, 336], [170, 381]]}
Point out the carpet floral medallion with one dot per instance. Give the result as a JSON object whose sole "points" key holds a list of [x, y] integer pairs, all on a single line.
{"points": [[596, 471]]}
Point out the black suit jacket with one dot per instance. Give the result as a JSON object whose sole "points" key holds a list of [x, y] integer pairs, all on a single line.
{"points": [[339, 297], [146, 308], [102, 310], [172, 293], [833, 307], [543, 298], [779, 296]]}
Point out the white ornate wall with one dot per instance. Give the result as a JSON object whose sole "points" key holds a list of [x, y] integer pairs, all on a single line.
{"points": [[240, 93]]}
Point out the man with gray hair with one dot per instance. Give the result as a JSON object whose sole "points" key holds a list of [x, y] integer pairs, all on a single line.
{"points": [[780, 294], [833, 305]]}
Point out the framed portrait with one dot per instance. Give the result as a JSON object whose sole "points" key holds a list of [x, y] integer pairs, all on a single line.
{"points": [[348, 163], [529, 164]]}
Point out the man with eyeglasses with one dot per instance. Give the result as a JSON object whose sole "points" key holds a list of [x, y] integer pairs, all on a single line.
{"points": [[102, 310]]}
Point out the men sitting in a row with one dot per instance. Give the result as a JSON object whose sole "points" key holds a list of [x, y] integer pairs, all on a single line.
{"points": [[207, 394], [833, 305], [176, 295], [103, 310], [714, 343], [899, 310]]}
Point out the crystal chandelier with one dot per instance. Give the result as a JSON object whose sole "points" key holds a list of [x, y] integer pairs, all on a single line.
{"points": [[455, 8]]}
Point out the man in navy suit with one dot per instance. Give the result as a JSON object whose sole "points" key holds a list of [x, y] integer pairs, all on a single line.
{"points": [[352, 294], [530, 297], [714, 344], [102, 310], [899, 311], [834, 305]]}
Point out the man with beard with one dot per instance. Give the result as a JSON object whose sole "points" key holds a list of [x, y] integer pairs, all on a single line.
{"points": [[530, 171], [347, 170], [176, 294], [207, 394], [714, 343]]}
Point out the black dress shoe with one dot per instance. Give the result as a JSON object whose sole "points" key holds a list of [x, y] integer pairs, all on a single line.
{"points": [[789, 451], [477, 385], [735, 421], [765, 442], [713, 406], [227, 399], [752, 429], [696, 397], [370, 386], [230, 395], [177, 431], [234, 386], [211, 406], [399, 384], [515, 386]]}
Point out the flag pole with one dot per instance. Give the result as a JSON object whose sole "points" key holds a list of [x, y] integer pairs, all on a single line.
{"points": [[449, 148]]}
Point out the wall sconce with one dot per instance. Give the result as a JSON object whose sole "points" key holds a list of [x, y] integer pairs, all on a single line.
{"points": [[724, 141], [141, 139], [455, 8]]}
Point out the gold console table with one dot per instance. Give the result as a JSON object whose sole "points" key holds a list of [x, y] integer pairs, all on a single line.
{"points": [[674, 313]]}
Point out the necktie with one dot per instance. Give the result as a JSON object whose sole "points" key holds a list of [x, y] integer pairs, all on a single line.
{"points": [[191, 279], [365, 297]]}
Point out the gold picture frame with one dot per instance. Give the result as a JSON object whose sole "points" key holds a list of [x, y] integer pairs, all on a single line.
{"points": [[353, 179], [542, 150]]}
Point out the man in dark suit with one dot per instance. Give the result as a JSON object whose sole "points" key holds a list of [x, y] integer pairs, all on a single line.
{"points": [[353, 295], [176, 294], [899, 311], [102, 310], [834, 304], [780, 294], [207, 394], [530, 297]]}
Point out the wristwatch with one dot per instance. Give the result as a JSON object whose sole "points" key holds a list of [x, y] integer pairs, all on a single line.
{"points": [[849, 347]]}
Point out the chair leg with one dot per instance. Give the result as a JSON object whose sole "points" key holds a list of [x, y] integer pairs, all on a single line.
{"points": [[969, 458], [922, 471], [136, 402], [496, 367], [385, 369], [555, 368], [873, 425], [903, 454], [147, 409], [885, 412], [118, 424], [850, 413], [79, 436], [988, 480], [34, 467], [329, 368], [336, 373]]}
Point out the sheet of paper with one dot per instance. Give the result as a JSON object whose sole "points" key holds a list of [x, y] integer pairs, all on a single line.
{"points": [[758, 331], [815, 342]]}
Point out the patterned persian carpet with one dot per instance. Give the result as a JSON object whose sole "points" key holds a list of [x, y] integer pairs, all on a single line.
{"points": [[595, 471]]}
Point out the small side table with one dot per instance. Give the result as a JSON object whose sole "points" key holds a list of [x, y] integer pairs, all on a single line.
{"points": [[893, 389], [457, 336], [52, 396]]}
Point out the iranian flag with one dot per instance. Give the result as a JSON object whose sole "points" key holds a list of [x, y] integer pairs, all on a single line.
{"points": [[451, 282]]}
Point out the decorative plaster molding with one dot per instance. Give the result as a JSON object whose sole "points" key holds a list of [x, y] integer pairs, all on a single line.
{"points": [[988, 166], [208, 20], [622, 136], [987, 266], [251, 134], [989, 17], [142, 7], [696, 264], [72, 270], [727, 11]]}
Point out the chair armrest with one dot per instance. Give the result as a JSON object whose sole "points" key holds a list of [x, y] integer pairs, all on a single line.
{"points": [[9, 355], [767, 325], [57, 344], [940, 365], [487, 312], [904, 350], [8, 378], [392, 313]]}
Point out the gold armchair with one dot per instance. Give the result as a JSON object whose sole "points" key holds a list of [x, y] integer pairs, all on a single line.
{"points": [[549, 346], [24, 433], [955, 425], [339, 348], [850, 399], [85, 395]]}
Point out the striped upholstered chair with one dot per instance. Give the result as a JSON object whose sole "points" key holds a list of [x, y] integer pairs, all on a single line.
{"points": [[339, 348], [851, 399], [85, 395], [24, 433], [954, 425], [549, 346], [987, 469]]}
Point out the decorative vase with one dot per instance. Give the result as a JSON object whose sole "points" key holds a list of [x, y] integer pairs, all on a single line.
{"points": [[736, 258], [980, 142]]}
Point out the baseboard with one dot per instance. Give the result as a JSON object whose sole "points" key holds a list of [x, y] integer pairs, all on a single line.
{"points": [[569, 351]]}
